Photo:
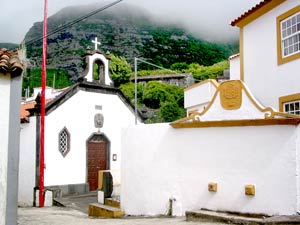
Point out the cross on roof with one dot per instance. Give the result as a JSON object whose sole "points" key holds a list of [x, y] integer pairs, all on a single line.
{"points": [[96, 42]]}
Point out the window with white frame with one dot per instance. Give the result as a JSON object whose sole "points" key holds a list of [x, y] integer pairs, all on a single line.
{"points": [[292, 107], [290, 35], [64, 141]]}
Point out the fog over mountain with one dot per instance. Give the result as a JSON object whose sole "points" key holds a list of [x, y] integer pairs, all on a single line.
{"points": [[125, 30], [206, 19]]}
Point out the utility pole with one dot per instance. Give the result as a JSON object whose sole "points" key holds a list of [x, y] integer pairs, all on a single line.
{"points": [[135, 89], [53, 83], [42, 143]]}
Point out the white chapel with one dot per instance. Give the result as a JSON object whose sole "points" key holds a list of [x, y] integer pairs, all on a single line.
{"points": [[82, 133]]}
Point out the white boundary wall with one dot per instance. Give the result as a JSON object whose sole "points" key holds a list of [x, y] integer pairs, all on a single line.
{"points": [[4, 127], [27, 163], [159, 162]]}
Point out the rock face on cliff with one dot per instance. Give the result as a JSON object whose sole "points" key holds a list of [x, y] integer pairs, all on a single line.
{"points": [[123, 30]]}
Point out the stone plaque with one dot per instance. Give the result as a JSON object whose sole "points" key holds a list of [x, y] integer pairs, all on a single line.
{"points": [[98, 120], [231, 95], [98, 107]]}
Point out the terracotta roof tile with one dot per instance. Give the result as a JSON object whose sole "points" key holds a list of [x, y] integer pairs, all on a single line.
{"points": [[234, 56], [250, 11], [10, 62], [24, 113], [24, 107]]}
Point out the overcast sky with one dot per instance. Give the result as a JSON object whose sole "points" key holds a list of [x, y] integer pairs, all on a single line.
{"points": [[204, 17]]}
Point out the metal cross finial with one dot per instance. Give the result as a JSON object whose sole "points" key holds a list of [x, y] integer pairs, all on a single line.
{"points": [[96, 42]]}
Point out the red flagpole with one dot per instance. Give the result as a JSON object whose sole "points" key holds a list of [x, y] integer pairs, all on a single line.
{"points": [[42, 143]]}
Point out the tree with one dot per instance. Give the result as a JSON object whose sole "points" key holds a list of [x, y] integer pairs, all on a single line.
{"points": [[176, 93], [120, 70], [208, 72], [57, 78], [128, 91], [154, 94], [170, 111], [180, 66]]}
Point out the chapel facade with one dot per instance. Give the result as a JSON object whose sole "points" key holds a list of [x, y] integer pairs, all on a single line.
{"points": [[82, 131]]}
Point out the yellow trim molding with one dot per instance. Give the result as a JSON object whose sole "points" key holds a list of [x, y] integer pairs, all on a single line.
{"points": [[194, 118], [280, 59], [288, 98], [212, 81], [255, 13], [242, 54], [237, 123]]}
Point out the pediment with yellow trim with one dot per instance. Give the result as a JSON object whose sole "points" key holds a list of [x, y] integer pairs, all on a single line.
{"points": [[234, 105]]}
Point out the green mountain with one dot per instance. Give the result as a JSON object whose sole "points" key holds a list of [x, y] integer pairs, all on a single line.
{"points": [[123, 30], [9, 46]]}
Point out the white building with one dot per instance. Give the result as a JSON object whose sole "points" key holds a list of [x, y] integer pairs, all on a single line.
{"points": [[198, 96], [268, 59], [270, 52], [82, 132], [10, 100]]}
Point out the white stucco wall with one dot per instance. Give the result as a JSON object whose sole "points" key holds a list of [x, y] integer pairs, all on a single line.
{"points": [[198, 96], [4, 127], [298, 168], [27, 163], [77, 115], [265, 78], [235, 68], [179, 163]]}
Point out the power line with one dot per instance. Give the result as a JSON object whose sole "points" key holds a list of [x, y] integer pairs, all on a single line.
{"points": [[75, 21], [160, 67]]}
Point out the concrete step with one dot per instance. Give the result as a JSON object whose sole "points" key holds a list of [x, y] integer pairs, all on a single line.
{"points": [[79, 202], [223, 217], [112, 202], [99, 210]]}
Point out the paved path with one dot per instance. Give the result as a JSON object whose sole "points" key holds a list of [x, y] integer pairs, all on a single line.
{"points": [[67, 216]]}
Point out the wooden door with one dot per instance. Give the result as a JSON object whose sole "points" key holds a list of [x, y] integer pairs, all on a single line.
{"points": [[97, 160]]}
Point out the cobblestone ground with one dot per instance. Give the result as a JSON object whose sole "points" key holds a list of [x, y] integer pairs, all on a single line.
{"points": [[66, 216]]}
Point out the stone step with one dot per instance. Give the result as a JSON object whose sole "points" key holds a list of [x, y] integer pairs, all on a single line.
{"points": [[106, 211], [112, 202], [230, 218]]}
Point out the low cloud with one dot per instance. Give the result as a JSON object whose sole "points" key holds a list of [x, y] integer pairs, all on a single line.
{"points": [[206, 19]]}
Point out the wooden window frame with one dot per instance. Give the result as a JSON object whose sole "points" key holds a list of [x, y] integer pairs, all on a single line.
{"points": [[280, 59], [286, 99]]}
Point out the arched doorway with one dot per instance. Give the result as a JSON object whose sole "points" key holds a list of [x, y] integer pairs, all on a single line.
{"points": [[98, 158]]}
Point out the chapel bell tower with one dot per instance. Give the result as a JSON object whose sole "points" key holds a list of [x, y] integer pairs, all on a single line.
{"points": [[96, 66]]}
